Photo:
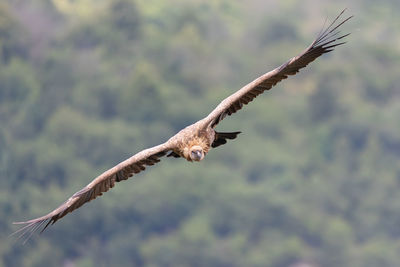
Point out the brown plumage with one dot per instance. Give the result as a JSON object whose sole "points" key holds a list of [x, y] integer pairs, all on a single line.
{"points": [[194, 141]]}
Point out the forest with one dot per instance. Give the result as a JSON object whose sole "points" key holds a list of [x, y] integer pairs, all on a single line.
{"points": [[313, 180]]}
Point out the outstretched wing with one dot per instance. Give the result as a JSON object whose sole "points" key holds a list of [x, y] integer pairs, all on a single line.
{"points": [[326, 41], [97, 187]]}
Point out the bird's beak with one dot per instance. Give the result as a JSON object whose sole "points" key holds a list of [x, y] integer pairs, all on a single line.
{"points": [[198, 154]]}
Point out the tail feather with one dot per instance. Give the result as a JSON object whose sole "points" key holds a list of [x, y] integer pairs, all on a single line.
{"points": [[221, 138]]}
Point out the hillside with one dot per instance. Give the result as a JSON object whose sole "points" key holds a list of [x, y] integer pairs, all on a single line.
{"points": [[314, 178]]}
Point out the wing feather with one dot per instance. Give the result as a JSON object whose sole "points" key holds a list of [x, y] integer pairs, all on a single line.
{"points": [[325, 42], [97, 187]]}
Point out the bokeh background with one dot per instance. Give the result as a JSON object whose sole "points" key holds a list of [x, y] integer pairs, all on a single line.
{"points": [[313, 180]]}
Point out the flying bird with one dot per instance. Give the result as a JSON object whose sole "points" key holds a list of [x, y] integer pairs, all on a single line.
{"points": [[195, 141]]}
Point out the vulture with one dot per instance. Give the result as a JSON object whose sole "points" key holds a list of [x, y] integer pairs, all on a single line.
{"points": [[195, 141]]}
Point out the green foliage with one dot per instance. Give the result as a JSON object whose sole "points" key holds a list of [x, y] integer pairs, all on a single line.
{"points": [[314, 177]]}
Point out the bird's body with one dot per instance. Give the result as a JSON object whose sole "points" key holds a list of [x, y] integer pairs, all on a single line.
{"points": [[195, 141], [200, 137], [196, 135]]}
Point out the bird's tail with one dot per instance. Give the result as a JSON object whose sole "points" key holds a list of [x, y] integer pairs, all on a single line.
{"points": [[220, 138]]}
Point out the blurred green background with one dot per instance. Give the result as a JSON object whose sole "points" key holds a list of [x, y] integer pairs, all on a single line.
{"points": [[314, 179]]}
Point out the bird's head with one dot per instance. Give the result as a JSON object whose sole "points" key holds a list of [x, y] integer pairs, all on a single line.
{"points": [[196, 153]]}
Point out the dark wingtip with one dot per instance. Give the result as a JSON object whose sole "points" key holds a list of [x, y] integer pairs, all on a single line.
{"points": [[330, 31]]}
